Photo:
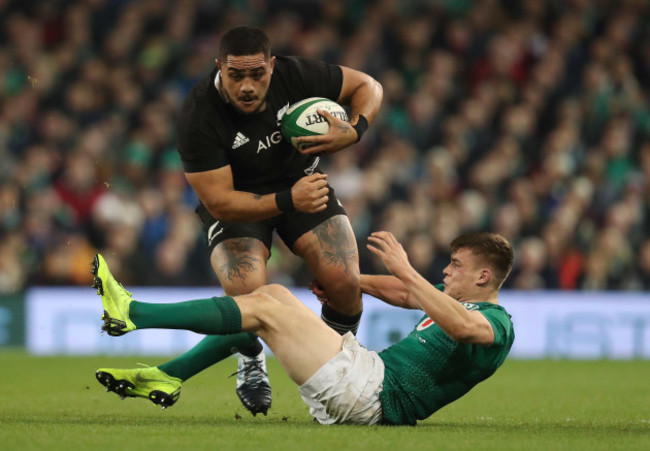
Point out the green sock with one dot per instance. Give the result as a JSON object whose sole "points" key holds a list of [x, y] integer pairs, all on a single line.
{"points": [[214, 316], [207, 352]]}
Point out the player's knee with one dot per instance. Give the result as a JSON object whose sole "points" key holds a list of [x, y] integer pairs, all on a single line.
{"points": [[260, 299], [344, 282], [274, 290], [344, 292], [265, 305]]}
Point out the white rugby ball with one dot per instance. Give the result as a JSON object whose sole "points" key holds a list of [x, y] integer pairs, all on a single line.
{"points": [[301, 119]]}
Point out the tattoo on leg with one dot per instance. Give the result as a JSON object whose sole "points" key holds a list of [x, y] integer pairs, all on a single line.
{"points": [[339, 249], [239, 258]]}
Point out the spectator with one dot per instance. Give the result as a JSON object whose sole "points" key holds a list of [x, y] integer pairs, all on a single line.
{"points": [[531, 120]]}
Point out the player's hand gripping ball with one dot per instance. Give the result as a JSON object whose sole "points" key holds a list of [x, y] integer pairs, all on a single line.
{"points": [[301, 119]]}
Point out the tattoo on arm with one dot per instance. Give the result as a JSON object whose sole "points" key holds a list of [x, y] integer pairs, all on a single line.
{"points": [[257, 196], [345, 128], [338, 247]]}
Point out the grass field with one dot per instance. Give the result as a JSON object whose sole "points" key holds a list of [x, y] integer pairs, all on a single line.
{"points": [[56, 403]]}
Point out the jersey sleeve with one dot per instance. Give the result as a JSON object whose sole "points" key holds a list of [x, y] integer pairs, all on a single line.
{"points": [[199, 149], [316, 78], [501, 324]]}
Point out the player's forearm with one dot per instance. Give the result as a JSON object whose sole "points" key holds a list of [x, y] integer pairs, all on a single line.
{"points": [[389, 289], [447, 312], [240, 206]]}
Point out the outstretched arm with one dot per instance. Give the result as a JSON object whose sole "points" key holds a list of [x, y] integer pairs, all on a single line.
{"points": [[389, 289], [364, 95], [460, 324]]}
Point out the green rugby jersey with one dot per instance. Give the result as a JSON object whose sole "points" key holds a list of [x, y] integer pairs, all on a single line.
{"points": [[427, 370]]}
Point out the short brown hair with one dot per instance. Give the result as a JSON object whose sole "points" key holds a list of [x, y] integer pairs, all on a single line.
{"points": [[492, 247], [244, 41]]}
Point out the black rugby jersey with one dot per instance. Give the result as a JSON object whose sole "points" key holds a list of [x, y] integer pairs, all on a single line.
{"points": [[212, 134]]}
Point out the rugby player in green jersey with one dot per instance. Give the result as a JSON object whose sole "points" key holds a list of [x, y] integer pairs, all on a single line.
{"points": [[463, 337]]}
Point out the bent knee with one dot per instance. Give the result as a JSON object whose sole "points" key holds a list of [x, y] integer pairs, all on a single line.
{"points": [[260, 297], [344, 294], [343, 283], [279, 294], [274, 290]]}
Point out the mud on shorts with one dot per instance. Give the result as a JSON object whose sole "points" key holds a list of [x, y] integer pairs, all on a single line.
{"points": [[346, 389], [290, 225]]}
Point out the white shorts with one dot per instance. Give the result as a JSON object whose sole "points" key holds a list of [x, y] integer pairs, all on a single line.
{"points": [[346, 389]]}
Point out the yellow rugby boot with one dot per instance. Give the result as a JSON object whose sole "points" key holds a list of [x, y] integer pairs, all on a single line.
{"points": [[150, 383], [115, 298]]}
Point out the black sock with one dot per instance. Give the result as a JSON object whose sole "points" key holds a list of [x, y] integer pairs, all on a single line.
{"points": [[253, 349], [340, 322]]}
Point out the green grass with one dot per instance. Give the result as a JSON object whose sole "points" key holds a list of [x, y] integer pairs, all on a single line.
{"points": [[56, 403]]}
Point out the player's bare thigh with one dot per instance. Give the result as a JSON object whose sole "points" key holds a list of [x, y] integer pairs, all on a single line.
{"points": [[299, 339], [240, 264], [330, 250]]}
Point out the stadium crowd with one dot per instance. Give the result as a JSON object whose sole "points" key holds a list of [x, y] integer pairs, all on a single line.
{"points": [[528, 118]]}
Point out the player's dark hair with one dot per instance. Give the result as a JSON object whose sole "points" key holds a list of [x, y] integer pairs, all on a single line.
{"points": [[244, 41], [492, 247]]}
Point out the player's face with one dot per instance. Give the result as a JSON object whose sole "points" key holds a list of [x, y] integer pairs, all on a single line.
{"points": [[245, 81], [462, 275]]}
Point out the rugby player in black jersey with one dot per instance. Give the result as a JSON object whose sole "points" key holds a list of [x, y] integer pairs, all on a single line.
{"points": [[251, 182]]}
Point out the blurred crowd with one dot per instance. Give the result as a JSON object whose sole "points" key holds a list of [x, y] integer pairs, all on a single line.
{"points": [[530, 118]]}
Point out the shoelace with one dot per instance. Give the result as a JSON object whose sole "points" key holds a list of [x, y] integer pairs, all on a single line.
{"points": [[253, 370]]}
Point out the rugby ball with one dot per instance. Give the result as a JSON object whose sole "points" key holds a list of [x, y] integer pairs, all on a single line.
{"points": [[301, 119]]}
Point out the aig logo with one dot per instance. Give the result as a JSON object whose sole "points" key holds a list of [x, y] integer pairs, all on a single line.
{"points": [[268, 141]]}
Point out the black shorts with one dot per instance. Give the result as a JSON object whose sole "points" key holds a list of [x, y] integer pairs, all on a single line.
{"points": [[290, 226]]}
